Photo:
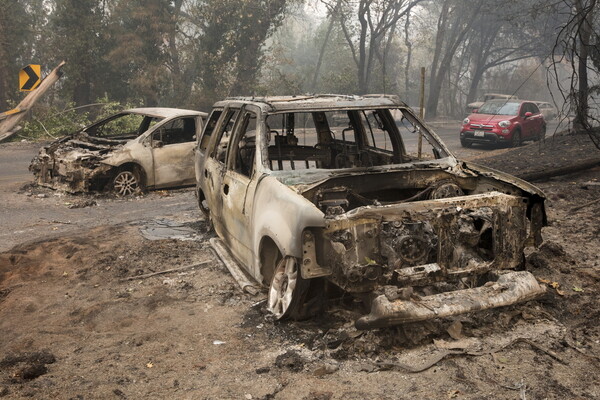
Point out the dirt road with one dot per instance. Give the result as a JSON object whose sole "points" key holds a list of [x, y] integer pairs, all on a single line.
{"points": [[83, 317]]}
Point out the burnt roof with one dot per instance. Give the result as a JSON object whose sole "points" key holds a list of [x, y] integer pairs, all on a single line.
{"points": [[314, 102], [163, 112]]}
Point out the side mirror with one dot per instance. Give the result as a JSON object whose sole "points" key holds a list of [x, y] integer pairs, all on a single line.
{"points": [[528, 114], [475, 111], [157, 144]]}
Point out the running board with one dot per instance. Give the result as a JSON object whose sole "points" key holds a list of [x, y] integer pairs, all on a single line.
{"points": [[234, 268]]}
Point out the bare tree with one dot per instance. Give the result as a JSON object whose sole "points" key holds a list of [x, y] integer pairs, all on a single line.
{"points": [[333, 14], [454, 22], [577, 43], [408, 44], [504, 33], [377, 21]]}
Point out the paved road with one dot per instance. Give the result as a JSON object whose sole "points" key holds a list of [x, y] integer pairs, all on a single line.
{"points": [[14, 162], [35, 214], [449, 132], [27, 214]]}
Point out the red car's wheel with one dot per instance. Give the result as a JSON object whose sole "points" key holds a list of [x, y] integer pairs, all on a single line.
{"points": [[516, 138], [540, 135]]}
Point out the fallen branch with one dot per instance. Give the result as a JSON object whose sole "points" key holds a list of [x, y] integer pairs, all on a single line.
{"points": [[167, 271], [549, 173], [5, 291], [385, 365], [584, 205], [45, 130], [574, 347]]}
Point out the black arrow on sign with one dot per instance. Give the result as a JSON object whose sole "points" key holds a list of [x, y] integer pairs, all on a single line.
{"points": [[33, 78]]}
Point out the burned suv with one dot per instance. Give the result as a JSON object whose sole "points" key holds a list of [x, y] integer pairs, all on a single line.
{"points": [[359, 193], [126, 152]]}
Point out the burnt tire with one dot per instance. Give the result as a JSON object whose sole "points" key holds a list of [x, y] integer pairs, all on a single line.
{"points": [[127, 182], [288, 290]]}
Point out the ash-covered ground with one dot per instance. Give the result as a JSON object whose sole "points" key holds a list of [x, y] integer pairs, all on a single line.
{"points": [[84, 314]]}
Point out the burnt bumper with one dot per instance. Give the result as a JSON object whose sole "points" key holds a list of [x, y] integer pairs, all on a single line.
{"points": [[72, 176], [510, 288]]}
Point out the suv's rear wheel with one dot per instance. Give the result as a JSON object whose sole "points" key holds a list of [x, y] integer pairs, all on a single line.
{"points": [[287, 291]]}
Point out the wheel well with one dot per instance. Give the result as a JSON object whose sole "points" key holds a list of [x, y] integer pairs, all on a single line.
{"points": [[269, 257], [201, 199]]}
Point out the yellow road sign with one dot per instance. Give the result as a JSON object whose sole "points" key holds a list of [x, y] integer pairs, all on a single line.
{"points": [[30, 77]]}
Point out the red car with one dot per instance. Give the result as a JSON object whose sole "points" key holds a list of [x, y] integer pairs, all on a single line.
{"points": [[503, 121]]}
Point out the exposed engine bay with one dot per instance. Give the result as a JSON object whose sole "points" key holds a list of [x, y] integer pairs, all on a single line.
{"points": [[74, 163], [383, 237]]}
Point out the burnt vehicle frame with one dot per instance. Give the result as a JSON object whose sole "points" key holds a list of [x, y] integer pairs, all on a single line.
{"points": [[128, 152], [414, 238]]}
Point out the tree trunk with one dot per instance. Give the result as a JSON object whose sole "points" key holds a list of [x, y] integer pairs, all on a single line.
{"points": [[408, 43], [585, 30], [3, 65], [460, 26], [313, 85], [433, 79], [362, 49], [477, 75]]}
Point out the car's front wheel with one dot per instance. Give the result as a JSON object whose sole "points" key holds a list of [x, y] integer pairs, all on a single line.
{"points": [[287, 291], [126, 183], [516, 139], [465, 143]]}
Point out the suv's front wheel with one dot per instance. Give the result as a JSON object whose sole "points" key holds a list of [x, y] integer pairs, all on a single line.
{"points": [[287, 291]]}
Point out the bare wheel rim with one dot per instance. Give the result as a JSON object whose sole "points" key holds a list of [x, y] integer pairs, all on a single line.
{"points": [[126, 183], [281, 292]]}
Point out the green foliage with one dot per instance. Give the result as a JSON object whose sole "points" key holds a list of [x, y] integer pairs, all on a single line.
{"points": [[82, 48], [14, 50], [49, 122], [141, 54], [191, 53]]}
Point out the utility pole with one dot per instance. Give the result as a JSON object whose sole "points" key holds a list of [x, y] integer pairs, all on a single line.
{"points": [[421, 110]]}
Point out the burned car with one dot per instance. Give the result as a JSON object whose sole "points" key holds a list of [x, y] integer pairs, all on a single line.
{"points": [[359, 194], [126, 152]]}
